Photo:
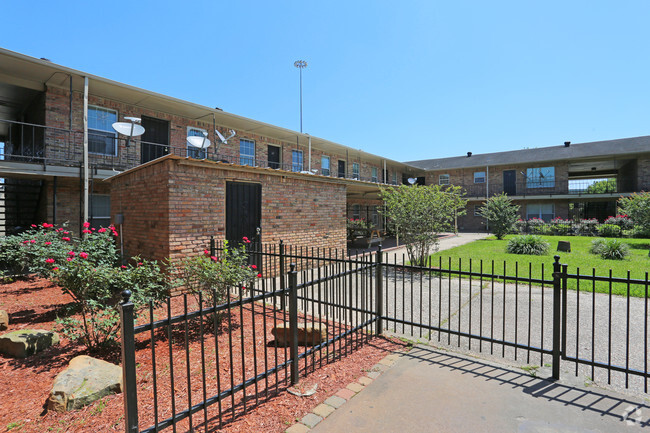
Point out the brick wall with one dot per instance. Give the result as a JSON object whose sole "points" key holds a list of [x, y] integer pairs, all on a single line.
{"points": [[172, 207]]}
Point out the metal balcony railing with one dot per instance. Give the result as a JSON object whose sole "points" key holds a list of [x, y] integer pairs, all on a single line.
{"points": [[48, 145]]}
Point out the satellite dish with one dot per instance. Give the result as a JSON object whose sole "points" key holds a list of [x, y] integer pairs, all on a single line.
{"points": [[412, 180], [223, 139], [200, 142], [128, 129]]}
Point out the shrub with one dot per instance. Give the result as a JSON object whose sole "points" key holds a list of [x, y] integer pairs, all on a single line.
{"points": [[500, 213], [537, 226], [623, 221], [609, 230], [610, 249], [212, 276], [637, 207], [586, 227], [527, 244], [640, 232], [358, 223], [519, 227], [560, 226]]}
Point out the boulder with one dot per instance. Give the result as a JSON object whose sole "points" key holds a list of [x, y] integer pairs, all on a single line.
{"points": [[26, 342], [4, 320], [308, 334], [85, 380]]}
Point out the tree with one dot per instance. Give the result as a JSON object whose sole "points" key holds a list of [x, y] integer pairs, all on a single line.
{"points": [[602, 187], [500, 213], [637, 207], [418, 214]]}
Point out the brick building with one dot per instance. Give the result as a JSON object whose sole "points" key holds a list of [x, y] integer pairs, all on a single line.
{"points": [[57, 148], [582, 180]]}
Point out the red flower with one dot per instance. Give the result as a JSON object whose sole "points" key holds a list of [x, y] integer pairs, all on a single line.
{"points": [[71, 253], [70, 259], [48, 243], [56, 268], [102, 230], [115, 233], [25, 242], [206, 252], [66, 233], [259, 275], [33, 225], [139, 263], [47, 225], [253, 267], [123, 267], [86, 224], [86, 231], [65, 239], [214, 258], [245, 238], [49, 261], [83, 255], [32, 241]]}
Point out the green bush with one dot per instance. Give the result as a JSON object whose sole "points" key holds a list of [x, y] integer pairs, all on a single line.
{"points": [[527, 244], [640, 232], [609, 230], [212, 276], [610, 249], [500, 213]]}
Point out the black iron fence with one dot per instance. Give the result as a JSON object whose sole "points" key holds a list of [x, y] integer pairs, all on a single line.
{"points": [[220, 369]]}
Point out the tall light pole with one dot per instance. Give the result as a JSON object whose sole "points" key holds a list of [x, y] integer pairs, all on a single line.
{"points": [[300, 64]]}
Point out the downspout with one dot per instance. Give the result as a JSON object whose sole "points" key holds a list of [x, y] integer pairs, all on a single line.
{"points": [[309, 167], [70, 121], [85, 144], [385, 174], [214, 136]]}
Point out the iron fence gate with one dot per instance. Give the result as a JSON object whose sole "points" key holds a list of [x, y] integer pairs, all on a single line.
{"points": [[601, 326]]}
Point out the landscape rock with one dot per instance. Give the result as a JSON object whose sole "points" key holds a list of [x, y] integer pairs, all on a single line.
{"points": [[84, 381], [564, 246], [308, 334], [26, 342], [4, 320]]}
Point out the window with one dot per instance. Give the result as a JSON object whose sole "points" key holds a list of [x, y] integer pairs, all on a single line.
{"points": [[443, 179], [356, 211], [195, 152], [374, 174], [479, 177], [394, 178], [296, 160], [100, 210], [542, 177], [101, 136], [355, 171], [543, 211], [325, 165], [246, 152]]}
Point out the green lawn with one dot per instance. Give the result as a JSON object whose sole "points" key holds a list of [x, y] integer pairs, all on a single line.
{"points": [[491, 250]]}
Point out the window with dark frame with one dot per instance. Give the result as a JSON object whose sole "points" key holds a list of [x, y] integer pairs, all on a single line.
{"points": [[102, 138]]}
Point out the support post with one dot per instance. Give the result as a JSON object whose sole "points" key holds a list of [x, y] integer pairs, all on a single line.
{"points": [[129, 386], [293, 322], [556, 317], [380, 291], [563, 280], [282, 285], [213, 249]]}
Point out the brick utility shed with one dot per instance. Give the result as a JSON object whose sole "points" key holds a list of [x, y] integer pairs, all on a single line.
{"points": [[171, 206]]}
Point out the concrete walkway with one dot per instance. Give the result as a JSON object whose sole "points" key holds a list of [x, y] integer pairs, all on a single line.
{"points": [[448, 240], [428, 390]]}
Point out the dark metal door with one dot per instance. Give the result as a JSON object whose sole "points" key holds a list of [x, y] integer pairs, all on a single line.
{"points": [[155, 140], [341, 168], [243, 217], [510, 182], [274, 156]]}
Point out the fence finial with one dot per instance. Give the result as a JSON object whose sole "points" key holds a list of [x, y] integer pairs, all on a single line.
{"points": [[292, 267], [126, 296], [557, 258]]}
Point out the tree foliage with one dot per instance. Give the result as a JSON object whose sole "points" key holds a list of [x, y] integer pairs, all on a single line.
{"points": [[637, 207], [602, 187], [500, 213], [418, 214]]}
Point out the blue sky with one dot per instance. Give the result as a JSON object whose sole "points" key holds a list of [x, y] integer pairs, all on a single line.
{"points": [[406, 80]]}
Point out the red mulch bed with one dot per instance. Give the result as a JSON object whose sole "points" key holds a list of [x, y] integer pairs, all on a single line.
{"points": [[266, 407]]}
